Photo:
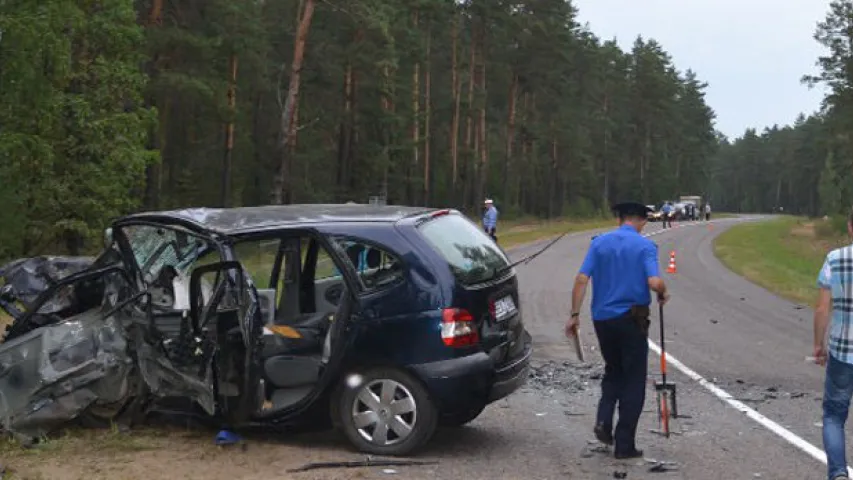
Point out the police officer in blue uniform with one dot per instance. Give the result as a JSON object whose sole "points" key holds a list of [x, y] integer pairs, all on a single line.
{"points": [[623, 267]]}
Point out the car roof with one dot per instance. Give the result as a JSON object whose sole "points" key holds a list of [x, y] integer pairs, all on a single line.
{"points": [[249, 219]]}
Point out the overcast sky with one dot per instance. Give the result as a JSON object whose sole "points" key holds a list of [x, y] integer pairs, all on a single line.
{"points": [[752, 53]]}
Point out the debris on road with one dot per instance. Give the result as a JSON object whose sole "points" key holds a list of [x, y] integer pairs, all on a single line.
{"points": [[226, 437], [368, 462], [662, 467], [563, 376], [756, 394], [620, 474]]}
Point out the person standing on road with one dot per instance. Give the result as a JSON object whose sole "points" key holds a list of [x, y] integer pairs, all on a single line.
{"points": [[623, 266], [667, 214], [707, 212], [834, 315], [490, 219]]}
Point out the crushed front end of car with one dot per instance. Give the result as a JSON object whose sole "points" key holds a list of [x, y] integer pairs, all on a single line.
{"points": [[53, 374], [85, 345]]}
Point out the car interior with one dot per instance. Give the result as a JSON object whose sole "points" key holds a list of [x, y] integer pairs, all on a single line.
{"points": [[304, 299], [298, 317], [300, 294]]}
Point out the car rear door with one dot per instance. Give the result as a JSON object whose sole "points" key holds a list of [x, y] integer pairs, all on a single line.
{"points": [[485, 287]]}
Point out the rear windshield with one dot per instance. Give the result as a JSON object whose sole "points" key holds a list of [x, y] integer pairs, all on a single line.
{"points": [[472, 255]]}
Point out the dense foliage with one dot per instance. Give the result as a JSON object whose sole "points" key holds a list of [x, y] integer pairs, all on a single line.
{"points": [[805, 168], [110, 106]]}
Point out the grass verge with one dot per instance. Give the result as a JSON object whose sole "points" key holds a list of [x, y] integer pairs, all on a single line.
{"points": [[782, 255], [518, 233]]}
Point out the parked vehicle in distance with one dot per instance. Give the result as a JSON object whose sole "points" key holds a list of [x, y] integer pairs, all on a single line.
{"points": [[387, 321], [655, 215], [695, 200]]}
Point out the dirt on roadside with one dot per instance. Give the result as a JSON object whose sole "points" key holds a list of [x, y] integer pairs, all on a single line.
{"points": [[175, 454]]}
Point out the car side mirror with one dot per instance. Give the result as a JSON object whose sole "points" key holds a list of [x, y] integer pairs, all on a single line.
{"points": [[108, 238]]}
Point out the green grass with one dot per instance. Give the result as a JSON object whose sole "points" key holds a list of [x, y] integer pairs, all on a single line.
{"points": [[78, 440], [782, 255], [512, 234]]}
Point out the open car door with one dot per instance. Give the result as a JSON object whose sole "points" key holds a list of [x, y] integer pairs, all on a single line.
{"points": [[229, 324]]}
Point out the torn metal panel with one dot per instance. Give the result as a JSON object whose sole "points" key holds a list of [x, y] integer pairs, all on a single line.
{"points": [[181, 367], [53, 374], [29, 277]]}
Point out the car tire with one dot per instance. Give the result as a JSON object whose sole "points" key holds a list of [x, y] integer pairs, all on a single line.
{"points": [[460, 419], [366, 412]]}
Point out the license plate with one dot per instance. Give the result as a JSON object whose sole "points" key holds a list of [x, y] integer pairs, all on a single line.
{"points": [[504, 308]]}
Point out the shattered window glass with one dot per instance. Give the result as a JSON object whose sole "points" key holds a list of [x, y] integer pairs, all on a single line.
{"points": [[158, 247], [165, 258]]}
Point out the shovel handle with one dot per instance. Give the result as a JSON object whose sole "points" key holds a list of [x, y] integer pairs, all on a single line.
{"points": [[662, 345]]}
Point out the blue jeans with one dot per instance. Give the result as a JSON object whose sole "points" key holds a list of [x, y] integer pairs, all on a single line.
{"points": [[838, 390]]}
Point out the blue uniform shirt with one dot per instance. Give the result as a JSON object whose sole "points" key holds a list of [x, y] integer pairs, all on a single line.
{"points": [[490, 218], [620, 264]]}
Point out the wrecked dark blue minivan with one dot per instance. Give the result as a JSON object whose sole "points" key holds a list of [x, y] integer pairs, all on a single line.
{"points": [[385, 321]]}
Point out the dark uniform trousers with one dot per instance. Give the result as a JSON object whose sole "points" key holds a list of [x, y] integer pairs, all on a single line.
{"points": [[624, 346]]}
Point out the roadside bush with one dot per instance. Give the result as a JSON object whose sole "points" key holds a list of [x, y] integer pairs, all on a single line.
{"points": [[582, 208], [835, 226]]}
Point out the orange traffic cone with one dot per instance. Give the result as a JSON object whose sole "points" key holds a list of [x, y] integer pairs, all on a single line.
{"points": [[672, 268]]}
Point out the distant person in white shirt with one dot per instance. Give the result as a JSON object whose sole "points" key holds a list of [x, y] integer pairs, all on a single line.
{"points": [[707, 212]]}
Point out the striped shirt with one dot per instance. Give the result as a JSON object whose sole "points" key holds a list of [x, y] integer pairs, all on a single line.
{"points": [[837, 277]]}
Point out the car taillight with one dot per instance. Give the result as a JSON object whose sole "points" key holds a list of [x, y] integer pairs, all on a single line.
{"points": [[458, 328]]}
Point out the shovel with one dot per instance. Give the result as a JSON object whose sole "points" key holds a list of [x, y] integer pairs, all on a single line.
{"points": [[576, 341], [667, 406]]}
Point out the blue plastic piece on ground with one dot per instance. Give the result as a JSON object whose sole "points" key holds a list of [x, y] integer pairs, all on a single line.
{"points": [[225, 437]]}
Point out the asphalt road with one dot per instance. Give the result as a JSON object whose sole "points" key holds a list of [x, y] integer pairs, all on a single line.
{"points": [[747, 341]]}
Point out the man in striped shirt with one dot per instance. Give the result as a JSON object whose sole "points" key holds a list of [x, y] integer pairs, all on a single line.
{"points": [[834, 315]]}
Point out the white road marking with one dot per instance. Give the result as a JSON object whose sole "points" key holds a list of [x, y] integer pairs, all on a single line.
{"points": [[787, 435], [718, 392]]}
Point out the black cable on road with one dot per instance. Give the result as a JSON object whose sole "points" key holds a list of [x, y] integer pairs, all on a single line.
{"points": [[529, 258]]}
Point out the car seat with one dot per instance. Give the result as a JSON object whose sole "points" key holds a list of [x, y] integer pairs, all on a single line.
{"points": [[292, 377]]}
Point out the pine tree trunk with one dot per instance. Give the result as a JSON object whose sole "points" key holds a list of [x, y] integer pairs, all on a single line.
{"points": [[156, 141], [387, 104], [292, 140], [470, 148], [155, 16], [258, 144], [457, 101], [282, 182], [345, 135], [227, 161], [553, 178], [525, 152], [605, 158], [510, 134], [427, 119], [483, 168], [416, 127]]}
